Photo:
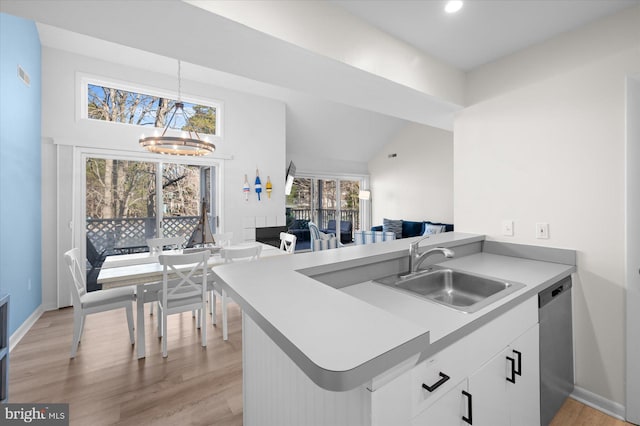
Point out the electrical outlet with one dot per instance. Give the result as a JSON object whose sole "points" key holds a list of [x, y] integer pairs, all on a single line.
{"points": [[507, 228], [542, 230]]}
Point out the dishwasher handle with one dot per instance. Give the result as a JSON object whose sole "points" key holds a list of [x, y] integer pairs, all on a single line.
{"points": [[553, 291]]}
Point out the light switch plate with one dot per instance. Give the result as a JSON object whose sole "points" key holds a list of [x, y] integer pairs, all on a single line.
{"points": [[542, 230], [507, 228]]}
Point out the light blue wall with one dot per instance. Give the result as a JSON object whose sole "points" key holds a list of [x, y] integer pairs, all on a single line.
{"points": [[20, 169]]}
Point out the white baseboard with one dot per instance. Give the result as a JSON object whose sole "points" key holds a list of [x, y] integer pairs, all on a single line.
{"points": [[26, 326], [598, 402], [49, 307]]}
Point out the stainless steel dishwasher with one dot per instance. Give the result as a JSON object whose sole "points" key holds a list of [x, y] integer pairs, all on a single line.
{"points": [[556, 348]]}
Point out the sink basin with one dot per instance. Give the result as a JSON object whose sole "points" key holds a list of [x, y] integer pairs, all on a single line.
{"points": [[463, 291]]}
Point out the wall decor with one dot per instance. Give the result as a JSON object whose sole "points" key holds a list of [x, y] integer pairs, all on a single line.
{"points": [[258, 184], [246, 189], [269, 187]]}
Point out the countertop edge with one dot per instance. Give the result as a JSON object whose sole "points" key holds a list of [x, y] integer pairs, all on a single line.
{"points": [[360, 374]]}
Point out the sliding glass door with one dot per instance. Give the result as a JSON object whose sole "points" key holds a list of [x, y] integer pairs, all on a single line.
{"points": [[182, 191], [331, 203], [130, 201], [121, 205]]}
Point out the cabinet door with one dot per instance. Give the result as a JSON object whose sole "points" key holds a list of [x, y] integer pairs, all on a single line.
{"points": [[524, 394], [488, 386], [506, 390], [446, 411]]}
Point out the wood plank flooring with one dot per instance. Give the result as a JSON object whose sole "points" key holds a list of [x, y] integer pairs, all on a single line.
{"points": [[106, 385], [575, 413]]}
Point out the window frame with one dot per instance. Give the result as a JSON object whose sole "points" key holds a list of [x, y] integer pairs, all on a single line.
{"points": [[79, 209], [365, 205], [83, 81]]}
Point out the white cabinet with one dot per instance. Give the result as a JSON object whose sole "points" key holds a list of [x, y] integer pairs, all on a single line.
{"points": [[506, 390], [276, 391], [488, 389], [448, 410], [503, 391], [524, 394]]}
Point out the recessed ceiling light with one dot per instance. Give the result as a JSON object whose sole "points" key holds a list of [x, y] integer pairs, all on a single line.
{"points": [[453, 6]]}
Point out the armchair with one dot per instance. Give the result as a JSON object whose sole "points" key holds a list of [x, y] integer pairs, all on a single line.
{"points": [[320, 240]]}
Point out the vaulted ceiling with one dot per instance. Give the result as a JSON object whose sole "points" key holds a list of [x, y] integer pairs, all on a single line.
{"points": [[323, 59]]}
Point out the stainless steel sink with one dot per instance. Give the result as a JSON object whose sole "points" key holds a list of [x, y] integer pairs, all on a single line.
{"points": [[463, 291]]}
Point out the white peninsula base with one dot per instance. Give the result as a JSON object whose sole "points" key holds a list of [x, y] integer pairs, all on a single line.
{"points": [[277, 392]]}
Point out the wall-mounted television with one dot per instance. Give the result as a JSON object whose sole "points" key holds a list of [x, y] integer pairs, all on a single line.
{"points": [[291, 174]]}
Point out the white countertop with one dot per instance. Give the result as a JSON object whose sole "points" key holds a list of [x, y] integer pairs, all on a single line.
{"points": [[342, 338], [443, 320]]}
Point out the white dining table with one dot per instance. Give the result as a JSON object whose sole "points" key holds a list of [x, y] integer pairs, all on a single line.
{"points": [[144, 271]]}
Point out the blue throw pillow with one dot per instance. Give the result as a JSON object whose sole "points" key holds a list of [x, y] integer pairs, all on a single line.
{"points": [[411, 228], [390, 225]]}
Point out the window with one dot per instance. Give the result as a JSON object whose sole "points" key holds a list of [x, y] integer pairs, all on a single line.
{"points": [[113, 102], [128, 201], [332, 204]]}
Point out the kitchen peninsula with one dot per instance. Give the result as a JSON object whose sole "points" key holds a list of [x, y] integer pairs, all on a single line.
{"points": [[323, 344]]}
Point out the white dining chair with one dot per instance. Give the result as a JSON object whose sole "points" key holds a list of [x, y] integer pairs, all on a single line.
{"points": [[230, 255], [96, 301], [157, 245], [223, 239], [288, 242], [187, 292]]}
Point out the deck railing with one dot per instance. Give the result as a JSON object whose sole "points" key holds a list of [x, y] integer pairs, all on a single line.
{"points": [[323, 216], [127, 235]]}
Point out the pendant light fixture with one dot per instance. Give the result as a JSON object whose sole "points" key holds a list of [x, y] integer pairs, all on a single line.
{"points": [[189, 143]]}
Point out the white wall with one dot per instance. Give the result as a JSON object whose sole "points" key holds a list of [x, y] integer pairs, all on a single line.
{"points": [[254, 136], [553, 150], [350, 41], [633, 248], [417, 184]]}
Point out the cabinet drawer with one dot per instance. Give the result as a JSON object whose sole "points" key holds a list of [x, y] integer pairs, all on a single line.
{"points": [[449, 409], [440, 374]]}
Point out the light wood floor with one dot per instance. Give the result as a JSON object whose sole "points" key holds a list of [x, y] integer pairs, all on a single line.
{"points": [[106, 385]]}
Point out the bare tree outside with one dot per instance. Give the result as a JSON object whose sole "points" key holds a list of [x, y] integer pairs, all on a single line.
{"points": [[123, 189], [121, 106], [300, 196], [122, 195], [317, 199]]}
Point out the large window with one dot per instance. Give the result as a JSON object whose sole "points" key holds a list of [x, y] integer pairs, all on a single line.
{"points": [[113, 102], [130, 201]]}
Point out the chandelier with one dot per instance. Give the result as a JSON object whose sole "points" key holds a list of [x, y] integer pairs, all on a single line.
{"points": [[188, 143]]}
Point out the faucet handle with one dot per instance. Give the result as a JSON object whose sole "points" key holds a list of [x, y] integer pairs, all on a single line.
{"points": [[413, 247], [417, 243]]}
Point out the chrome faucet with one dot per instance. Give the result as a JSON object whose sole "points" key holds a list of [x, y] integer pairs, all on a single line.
{"points": [[416, 259]]}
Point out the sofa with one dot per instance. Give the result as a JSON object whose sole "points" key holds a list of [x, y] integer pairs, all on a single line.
{"points": [[346, 230], [412, 228]]}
